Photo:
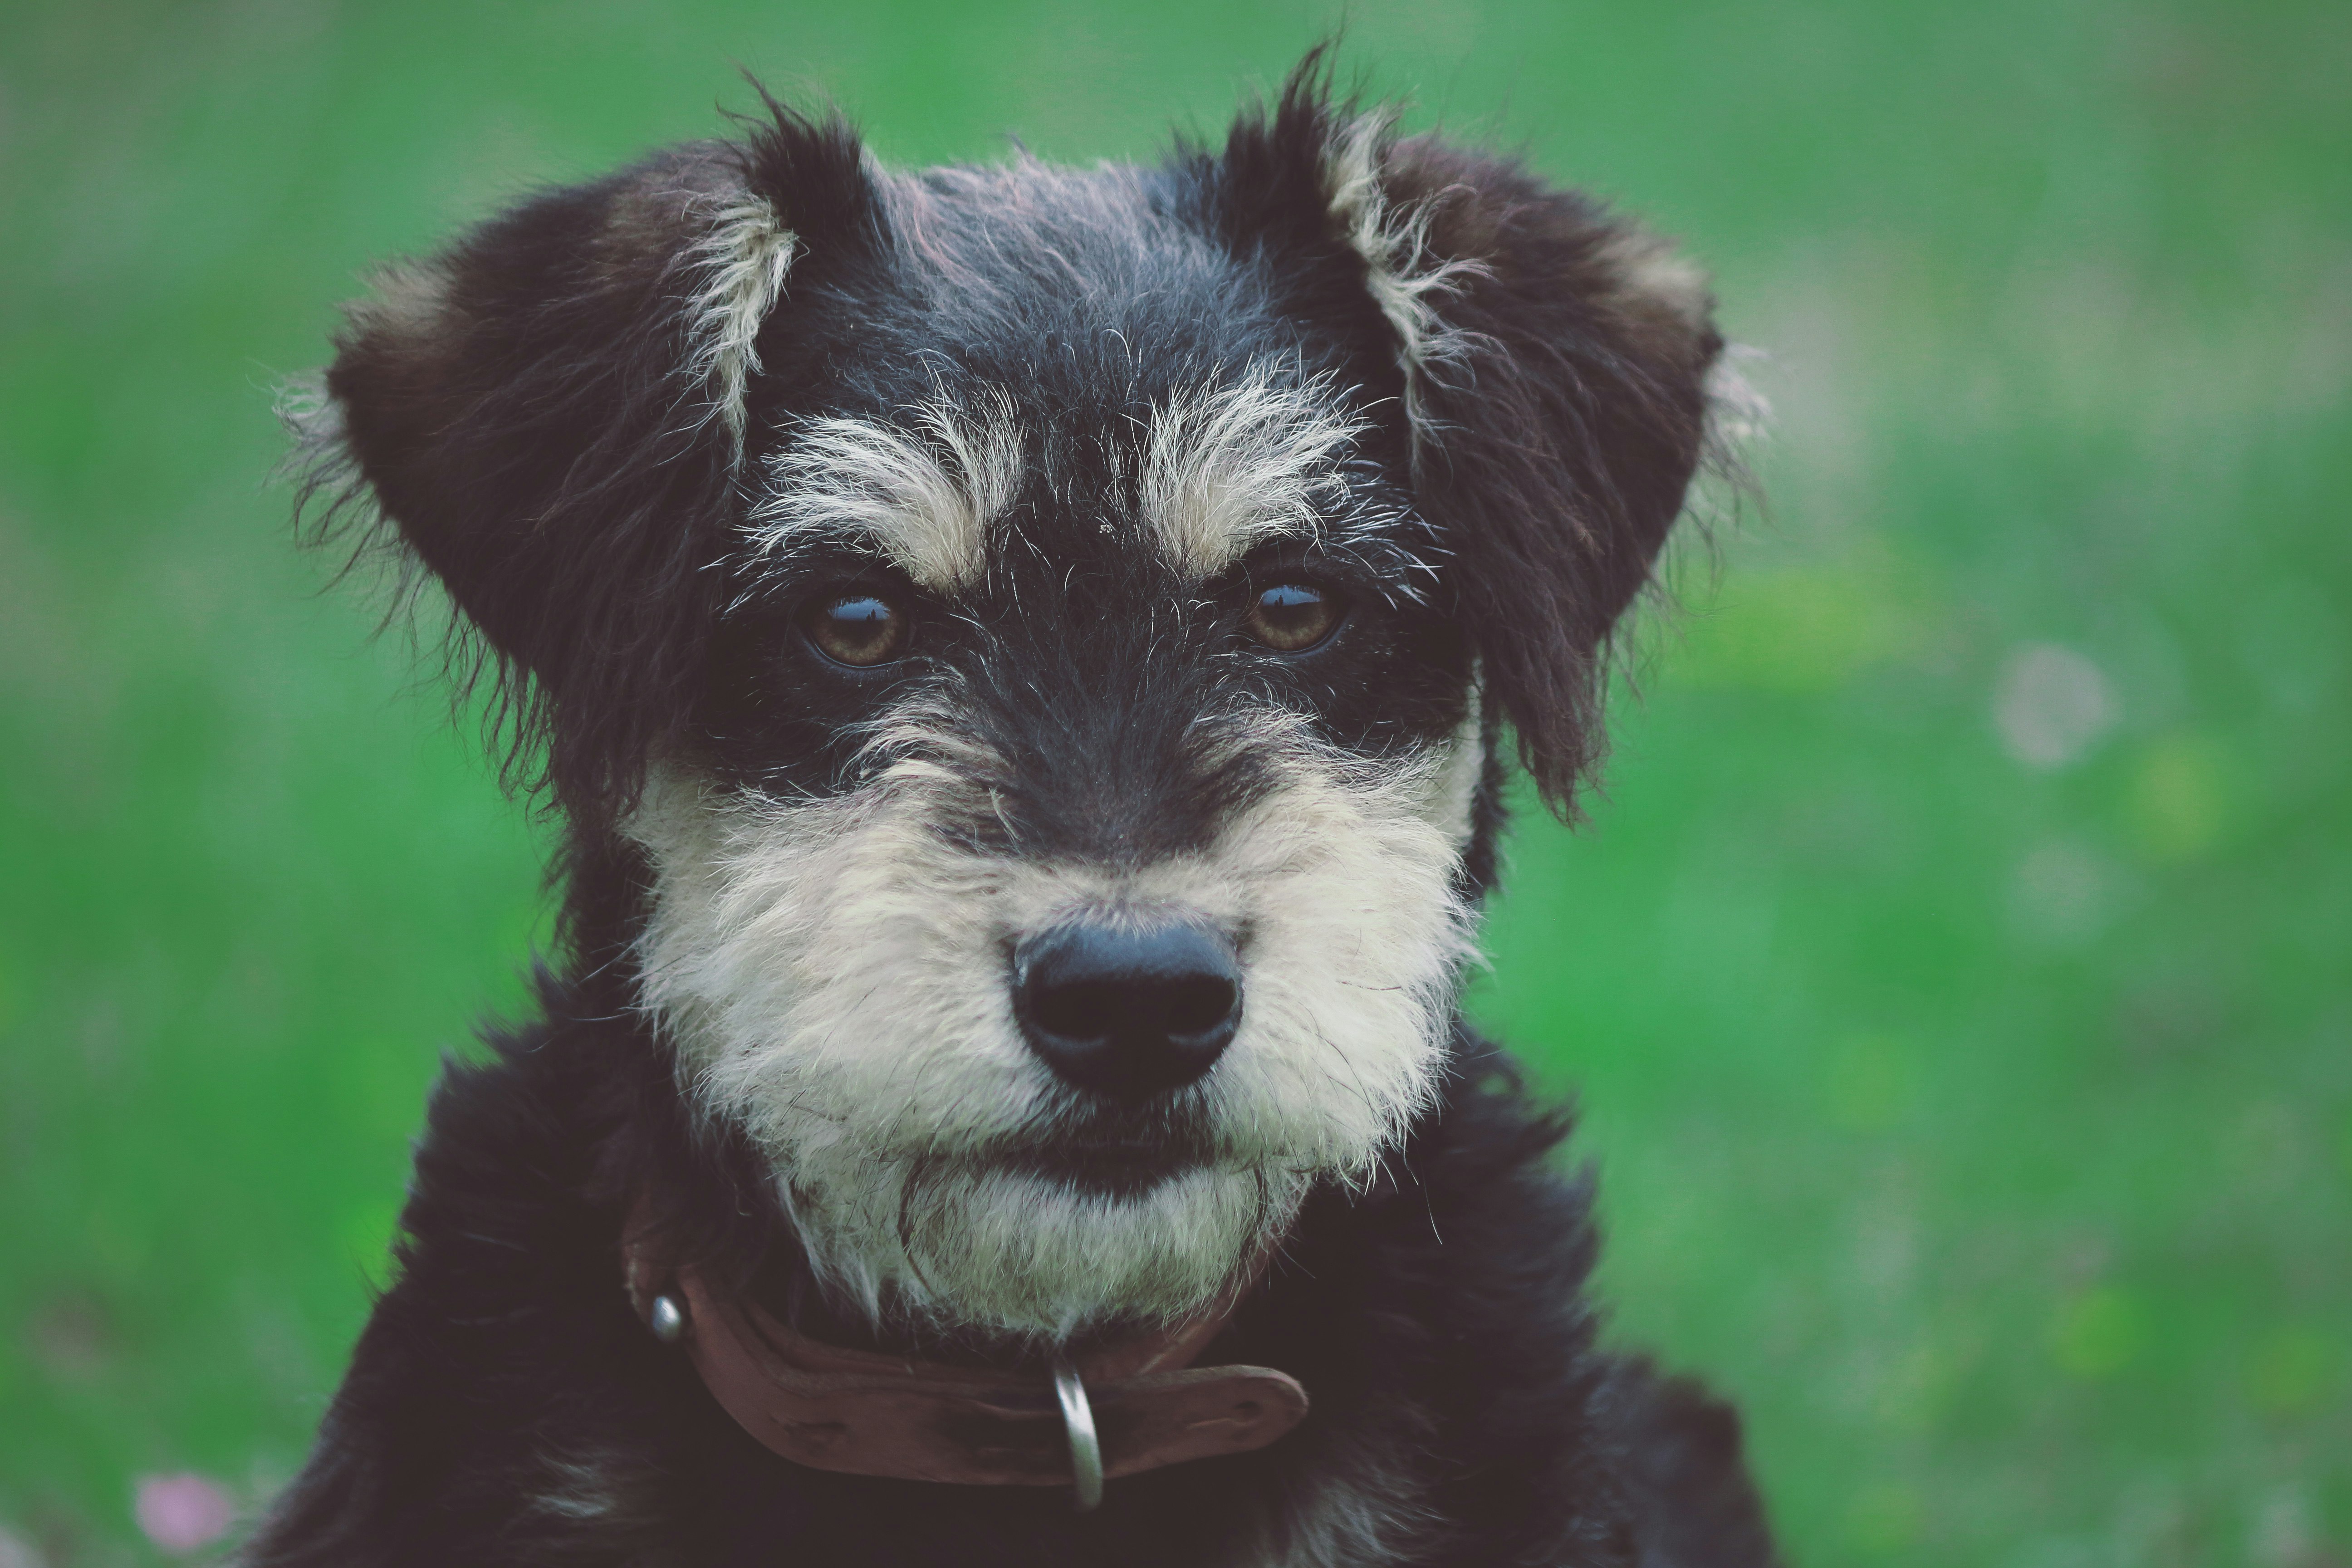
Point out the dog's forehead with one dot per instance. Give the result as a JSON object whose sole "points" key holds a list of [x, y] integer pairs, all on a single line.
{"points": [[1083, 285], [1060, 368]]}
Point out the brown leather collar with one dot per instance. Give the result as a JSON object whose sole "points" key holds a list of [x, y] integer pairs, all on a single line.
{"points": [[868, 1414]]}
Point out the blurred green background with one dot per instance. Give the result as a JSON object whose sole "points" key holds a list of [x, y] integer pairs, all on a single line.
{"points": [[1955, 977]]}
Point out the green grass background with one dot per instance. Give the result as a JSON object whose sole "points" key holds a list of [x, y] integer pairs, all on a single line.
{"points": [[1983, 1125]]}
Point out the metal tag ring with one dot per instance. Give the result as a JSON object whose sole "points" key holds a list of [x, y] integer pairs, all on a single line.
{"points": [[1085, 1447]]}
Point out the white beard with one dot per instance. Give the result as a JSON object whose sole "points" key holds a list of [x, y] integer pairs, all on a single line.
{"points": [[833, 974]]}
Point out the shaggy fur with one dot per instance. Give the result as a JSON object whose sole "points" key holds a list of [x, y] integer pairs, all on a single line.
{"points": [[1075, 436]]}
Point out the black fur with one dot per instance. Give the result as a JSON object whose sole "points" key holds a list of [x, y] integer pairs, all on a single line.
{"points": [[515, 411], [1439, 1320]]}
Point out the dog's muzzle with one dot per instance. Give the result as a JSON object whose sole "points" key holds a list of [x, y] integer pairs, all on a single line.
{"points": [[1126, 1010]]}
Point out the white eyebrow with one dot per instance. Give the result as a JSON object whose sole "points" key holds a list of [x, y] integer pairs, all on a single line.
{"points": [[925, 495], [1228, 466]]}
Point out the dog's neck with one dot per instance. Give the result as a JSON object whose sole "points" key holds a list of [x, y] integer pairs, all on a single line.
{"points": [[877, 1411], [788, 1289]]}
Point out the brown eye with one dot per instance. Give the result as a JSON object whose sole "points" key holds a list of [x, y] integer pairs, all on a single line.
{"points": [[1291, 618], [857, 629]]}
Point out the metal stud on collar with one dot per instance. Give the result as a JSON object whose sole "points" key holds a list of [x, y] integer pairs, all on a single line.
{"points": [[1085, 1447], [667, 1320]]}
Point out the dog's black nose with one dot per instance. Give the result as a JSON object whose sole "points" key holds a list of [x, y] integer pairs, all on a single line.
{"points": [[1125, 1010]]}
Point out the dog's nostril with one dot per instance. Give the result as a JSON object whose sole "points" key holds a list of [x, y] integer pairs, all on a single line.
{"points": [[1081, 1011], [1198, 1004], [1125, 1010]]}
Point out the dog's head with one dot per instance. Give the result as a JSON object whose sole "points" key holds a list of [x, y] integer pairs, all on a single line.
{"points": [[1046, 634]]}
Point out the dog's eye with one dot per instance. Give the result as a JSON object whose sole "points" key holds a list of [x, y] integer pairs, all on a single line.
{"points": [[1291, 618], [855, 628]]}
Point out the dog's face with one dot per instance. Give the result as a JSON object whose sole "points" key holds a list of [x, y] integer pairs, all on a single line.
{"points": [[1066, 870], [1044, 635]]}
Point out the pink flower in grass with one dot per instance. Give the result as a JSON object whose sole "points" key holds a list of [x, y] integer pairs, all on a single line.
{"points": [[182, 1512]]}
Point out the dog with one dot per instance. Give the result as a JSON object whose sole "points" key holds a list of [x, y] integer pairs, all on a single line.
{"points": [[1027, 662]]}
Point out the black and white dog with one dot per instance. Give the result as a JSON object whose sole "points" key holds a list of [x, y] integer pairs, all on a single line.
{"points": [[1023, 657]]}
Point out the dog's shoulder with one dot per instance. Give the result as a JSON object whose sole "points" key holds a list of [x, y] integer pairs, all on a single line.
{"points": [[1439, 1320], [1465, 1411], [465, 1430], [1684, 1463]]}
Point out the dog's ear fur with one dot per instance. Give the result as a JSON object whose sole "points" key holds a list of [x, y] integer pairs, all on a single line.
{"points": [[1554, 360], [551, 416]]}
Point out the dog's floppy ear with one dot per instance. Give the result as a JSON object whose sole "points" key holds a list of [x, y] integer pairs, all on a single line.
{"points": [[1554, 361], [551, 416]]}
